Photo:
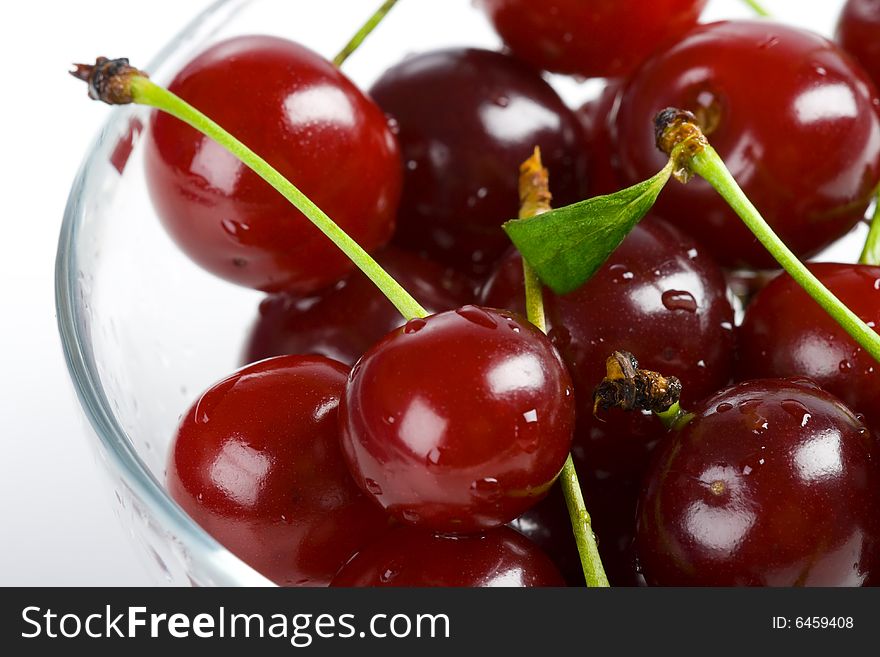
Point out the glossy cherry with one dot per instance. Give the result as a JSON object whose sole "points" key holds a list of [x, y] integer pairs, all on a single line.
{"points": [[785, 333], [791, 114], [467, 119], [306, 119], [592, 38], [256, 462], [858, 32], [414, 557], [773, 482], [458, 422], [595, 115], [345, 320], [662, 297]]}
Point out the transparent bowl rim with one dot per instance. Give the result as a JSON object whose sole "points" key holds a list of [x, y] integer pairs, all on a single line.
{"points": [[212, 562]]}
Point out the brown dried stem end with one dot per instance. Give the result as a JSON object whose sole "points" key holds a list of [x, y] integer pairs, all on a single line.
{"points": [[534, 187], [627, 387], [678, 134], [109, 80]]}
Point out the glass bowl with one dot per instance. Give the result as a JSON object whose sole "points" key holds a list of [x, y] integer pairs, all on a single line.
{"points": [[144, 330]]}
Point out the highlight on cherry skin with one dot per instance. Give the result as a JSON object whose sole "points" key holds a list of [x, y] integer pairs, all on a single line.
{"points": [[805, 149], [773, 482], [256, 462], [411, 556], [307, 120], [458, 422]]}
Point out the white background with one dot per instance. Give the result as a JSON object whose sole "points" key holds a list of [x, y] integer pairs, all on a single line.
{"points": [[56, 523]]}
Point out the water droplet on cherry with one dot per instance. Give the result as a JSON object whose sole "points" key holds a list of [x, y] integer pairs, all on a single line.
{"points": [[679, 300], [414, 325], [477, 316]]}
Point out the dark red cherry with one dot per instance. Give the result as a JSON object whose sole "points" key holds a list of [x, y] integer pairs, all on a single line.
{"points": [[592, 38], [467, 119], [414, 557], [858, 32], [661, 296], [458, 422], [302, 115], [603, 173], [344, 321], [791, 114], [256, 462], [773, 482], [786, 333]]}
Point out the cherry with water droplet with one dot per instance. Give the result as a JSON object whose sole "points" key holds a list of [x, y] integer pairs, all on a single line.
{"points": [[782, 491], [467, 119], [659, 294], [785, 333], [463, 422], [790, 113], [303, 116], [256, 462]]}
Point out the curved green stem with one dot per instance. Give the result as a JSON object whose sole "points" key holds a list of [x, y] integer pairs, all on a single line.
{"points": [[871, 252], [364, 32], [758, 8], [145, 92], [708, 164]]}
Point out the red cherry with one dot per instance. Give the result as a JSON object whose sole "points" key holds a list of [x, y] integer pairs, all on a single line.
{"points": [[467, 119], [772, 483], [858, 32], [256, 462], [592, 38], [793, 117], [307, 120], [414, 557], [458, 422], [347, 319], [659, 296], [785, 333]]}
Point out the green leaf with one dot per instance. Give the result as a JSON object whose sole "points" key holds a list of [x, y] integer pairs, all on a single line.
{"points": [[566, 246]]}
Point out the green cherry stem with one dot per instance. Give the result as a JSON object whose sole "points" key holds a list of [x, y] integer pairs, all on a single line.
{"points": [[117, 83], [535, 199], [364, 32], [871, 252], [758, 8], [673, 126]]}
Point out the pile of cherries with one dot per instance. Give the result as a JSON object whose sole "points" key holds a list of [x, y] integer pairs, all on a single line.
{"points": [[360, 449]]}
